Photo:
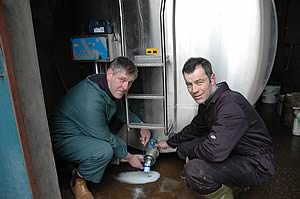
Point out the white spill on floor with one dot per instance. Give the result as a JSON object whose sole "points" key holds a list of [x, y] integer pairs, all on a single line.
{"points": [[137, 193], [138, 177]]}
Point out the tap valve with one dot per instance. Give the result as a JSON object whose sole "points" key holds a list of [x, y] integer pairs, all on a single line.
{"points": [[151, 155]]}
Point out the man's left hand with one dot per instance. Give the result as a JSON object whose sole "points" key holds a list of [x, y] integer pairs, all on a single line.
{"points": [[145, 136]]}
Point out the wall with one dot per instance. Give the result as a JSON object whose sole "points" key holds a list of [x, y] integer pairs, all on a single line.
{"points": [[55, 22], [27, 74], [14, 169], [286, 68]]}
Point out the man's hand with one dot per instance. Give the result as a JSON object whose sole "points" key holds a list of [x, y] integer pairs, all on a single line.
{"points": [[135, 161], [145, 136], [162, 145]]}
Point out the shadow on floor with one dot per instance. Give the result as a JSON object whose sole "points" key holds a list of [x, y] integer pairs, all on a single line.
{"points": [[285, 184]]}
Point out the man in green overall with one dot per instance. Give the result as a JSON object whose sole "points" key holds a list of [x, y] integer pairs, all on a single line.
{"points": [[80, 127]]}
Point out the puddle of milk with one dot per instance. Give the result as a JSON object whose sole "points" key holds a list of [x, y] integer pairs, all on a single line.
{"points": [[138, 177], [138, 193]]}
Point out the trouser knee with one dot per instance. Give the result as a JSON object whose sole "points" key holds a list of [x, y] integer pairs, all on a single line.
{"points": [[92, 168], [198, 177]]}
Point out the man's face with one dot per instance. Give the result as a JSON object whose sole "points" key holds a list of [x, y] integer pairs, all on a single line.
{"points": [[199, 85], [119, 82]]}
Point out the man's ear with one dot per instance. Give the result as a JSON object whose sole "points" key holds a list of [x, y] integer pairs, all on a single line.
{"points": [[109, 73], [213, 80]]}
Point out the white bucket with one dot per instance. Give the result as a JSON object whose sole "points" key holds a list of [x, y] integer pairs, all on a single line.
{"points": [[270, 94], [296, 125]]}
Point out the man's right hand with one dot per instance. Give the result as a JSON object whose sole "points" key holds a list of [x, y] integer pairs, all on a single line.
{"points": [[135, 161], [162, 145]]}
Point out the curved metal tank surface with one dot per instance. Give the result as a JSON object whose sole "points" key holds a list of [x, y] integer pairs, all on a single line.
{"points": [[238, 37]]}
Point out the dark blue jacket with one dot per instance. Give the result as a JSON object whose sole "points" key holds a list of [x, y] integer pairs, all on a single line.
{"points": [[231, 126]]}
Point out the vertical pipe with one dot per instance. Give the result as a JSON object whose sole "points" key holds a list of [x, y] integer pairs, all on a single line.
{"points": [[163, 55], [123, 51], [96, 68]]}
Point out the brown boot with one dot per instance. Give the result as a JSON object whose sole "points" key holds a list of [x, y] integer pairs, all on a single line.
{"points": [[79, 188]]}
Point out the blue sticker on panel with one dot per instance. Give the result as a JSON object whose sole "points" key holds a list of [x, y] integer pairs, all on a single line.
{"points": [[90, 49]]}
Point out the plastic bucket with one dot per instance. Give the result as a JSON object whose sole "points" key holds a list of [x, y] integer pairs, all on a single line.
{"points": [[270, 94]]}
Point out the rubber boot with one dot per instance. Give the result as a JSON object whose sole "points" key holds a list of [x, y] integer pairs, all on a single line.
{"points": [[237, 190], [223, 193]]}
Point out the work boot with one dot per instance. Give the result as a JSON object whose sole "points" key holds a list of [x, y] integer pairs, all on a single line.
{"points": [[79, 188], [223, 193]]}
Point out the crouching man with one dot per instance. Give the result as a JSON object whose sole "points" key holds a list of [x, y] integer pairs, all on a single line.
{"points": [[80, 128], [226, 146]]}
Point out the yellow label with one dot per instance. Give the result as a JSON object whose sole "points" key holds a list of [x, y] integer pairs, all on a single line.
{"points": [[151, 51]]}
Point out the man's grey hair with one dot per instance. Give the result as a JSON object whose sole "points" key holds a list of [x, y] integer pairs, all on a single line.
{"points": [[123, 63]]}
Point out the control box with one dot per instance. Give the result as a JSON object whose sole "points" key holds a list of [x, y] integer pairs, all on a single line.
{"points": [[98, 48]]}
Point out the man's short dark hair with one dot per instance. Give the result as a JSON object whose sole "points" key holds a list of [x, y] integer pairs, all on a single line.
{"points": [[193, 63], [123, 63]]}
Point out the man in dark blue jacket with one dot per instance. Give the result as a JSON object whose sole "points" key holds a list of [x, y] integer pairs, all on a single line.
{"points": [[227, 143]]}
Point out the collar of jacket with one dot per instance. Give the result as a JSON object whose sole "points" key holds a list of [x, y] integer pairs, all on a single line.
{"points": [[101, 81], [221, 87]]}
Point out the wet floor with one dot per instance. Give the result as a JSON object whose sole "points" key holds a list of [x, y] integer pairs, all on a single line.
{"points": [[285, 184]]}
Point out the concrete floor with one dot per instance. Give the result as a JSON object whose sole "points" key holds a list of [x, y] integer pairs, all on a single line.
{"points": [[285, 184]]}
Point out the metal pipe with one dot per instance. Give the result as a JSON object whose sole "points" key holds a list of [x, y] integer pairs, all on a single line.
{"points": [[163, 56], [123, 53]]}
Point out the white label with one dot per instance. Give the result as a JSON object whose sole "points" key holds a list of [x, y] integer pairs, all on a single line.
{"points": [[98, 30]]}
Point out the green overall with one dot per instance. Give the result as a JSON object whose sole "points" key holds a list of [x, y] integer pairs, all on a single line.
{"points": [[80, 132]]}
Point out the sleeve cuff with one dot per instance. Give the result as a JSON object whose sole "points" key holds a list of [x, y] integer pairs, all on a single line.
{"points": [[172, 145]]}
